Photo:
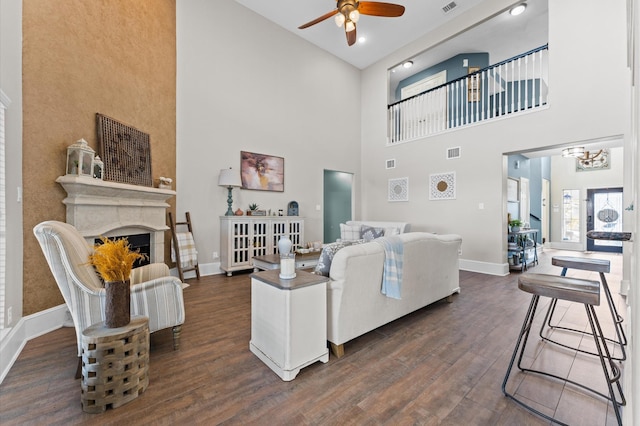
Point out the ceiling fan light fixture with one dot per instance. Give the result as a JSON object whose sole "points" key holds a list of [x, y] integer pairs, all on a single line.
{"points": [[518, 9], [347, 13], [349, 26]]}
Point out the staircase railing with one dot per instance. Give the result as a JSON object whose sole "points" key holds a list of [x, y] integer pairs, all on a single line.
{"points": [[512, 86]]}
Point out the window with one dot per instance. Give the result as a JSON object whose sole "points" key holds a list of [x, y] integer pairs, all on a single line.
{"points": [[571, 215]]}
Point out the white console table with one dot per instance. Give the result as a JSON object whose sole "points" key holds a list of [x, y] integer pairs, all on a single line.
{"points": [[288, 321], [244, 237]]}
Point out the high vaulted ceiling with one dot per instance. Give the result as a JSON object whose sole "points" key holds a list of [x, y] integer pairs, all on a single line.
{"points": [[383, 35], [502, 36]]}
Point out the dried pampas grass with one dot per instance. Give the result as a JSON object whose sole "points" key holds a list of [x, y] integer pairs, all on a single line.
{"points": [[113, 259]]}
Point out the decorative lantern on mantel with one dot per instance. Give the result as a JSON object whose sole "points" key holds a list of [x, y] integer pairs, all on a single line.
{"points": [[80, 159], [98, 168]]}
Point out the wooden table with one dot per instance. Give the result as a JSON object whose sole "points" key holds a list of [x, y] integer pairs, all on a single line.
{"points": [[272, 261], [115, 364], [288, 321]]}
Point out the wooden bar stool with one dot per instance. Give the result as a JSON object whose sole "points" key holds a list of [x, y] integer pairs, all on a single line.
{"points": [[601, 266], [586, 292]]}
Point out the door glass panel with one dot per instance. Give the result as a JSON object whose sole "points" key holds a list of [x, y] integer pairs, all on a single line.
{"points": [[571, 215], [607, 208]]}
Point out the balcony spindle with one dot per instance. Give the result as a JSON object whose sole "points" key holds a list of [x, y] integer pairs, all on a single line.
{"points": [[526, 82]]}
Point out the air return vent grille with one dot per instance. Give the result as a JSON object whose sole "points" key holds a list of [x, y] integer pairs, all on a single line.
{"points": [[453, 153], [449, 7], [391, 164]]}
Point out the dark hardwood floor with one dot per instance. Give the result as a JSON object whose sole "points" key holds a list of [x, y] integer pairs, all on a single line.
{"points": [[443, 364]]}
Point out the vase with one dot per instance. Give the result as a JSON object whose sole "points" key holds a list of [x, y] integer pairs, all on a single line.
{"points": [[117, 304], [284, 245]]}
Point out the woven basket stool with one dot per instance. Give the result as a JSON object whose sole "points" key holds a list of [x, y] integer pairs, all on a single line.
{"points": [[115, 364], [586, 292], [601, 266]]}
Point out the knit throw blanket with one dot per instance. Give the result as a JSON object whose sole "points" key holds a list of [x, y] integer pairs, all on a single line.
{"points": [[187, 249], [392, 270]]}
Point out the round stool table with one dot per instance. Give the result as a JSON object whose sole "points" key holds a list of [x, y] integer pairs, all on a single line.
{"points": [[115, 364]]}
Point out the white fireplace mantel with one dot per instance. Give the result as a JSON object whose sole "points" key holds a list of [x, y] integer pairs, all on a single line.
{"points": [[102, 208]]}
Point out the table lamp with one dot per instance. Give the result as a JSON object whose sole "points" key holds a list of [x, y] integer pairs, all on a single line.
{"points": [[287, 258], [229, 178]]}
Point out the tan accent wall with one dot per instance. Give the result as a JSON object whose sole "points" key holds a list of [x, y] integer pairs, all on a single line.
{"points": [[115, 57]]}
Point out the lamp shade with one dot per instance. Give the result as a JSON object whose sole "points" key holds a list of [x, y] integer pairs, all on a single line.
{"points": [[229, 177]]}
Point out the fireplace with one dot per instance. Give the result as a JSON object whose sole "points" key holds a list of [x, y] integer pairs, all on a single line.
{"points": [[137, 242], [100, 208]]}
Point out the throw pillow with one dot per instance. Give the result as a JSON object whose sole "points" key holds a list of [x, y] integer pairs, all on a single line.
{"points": [[328, 251], [369, 233], [349, 232], [391, 231]]}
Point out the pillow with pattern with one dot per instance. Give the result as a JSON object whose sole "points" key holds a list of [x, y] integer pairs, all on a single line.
{"points": [[349, 232], [328, 251], [369, 233]]}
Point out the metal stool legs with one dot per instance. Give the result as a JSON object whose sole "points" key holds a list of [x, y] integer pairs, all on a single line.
{"points": [[610, 369], [617, 320]]}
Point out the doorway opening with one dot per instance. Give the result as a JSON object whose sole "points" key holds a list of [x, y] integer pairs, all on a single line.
{"points": [[338, 205], [550, 176]]}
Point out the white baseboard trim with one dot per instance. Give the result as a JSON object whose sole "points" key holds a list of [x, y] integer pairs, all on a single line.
{"points": [[205, 269], [27, 328], [500, 269]]}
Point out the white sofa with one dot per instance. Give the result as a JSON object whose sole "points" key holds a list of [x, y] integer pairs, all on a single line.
{"points": [[402, 227], [355, 304]]}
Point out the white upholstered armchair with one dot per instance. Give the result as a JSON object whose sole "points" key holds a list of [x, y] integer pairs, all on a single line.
{"points": [[154, 292]]}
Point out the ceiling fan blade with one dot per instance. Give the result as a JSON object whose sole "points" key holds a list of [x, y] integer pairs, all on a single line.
{"points": [[351, 36], [320, 19], [380, 9]]}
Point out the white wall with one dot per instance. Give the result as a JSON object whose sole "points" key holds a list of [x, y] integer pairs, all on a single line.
{"points": [[632, 148], [564, 176], [11, 85], [580, 108], [246, 84]]}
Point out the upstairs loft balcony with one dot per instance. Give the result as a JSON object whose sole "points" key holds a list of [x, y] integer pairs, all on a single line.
{"points": [[513, 86]]}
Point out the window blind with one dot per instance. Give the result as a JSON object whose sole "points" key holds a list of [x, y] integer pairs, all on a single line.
{"points": [[3, 216]]}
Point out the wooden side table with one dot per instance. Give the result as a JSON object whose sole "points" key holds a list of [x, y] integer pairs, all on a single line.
{"points": [[272, 261], [289, 321], [115, 364]]}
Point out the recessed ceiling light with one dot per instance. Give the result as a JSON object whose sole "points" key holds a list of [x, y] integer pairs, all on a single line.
{"points": [[517, 10], [408, 64], [362, 39]]}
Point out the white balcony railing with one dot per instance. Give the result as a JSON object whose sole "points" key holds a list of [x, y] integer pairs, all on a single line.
{"points": [[513, 86]]}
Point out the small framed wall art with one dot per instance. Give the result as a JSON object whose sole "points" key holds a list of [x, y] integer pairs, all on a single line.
{"points": [[442, 186], [399, 189]]}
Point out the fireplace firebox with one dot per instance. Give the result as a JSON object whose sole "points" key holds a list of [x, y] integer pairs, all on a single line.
{"points": [[137, 242]]}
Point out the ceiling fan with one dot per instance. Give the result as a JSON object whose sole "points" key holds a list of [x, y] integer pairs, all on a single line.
{"points": [[348, 12]]}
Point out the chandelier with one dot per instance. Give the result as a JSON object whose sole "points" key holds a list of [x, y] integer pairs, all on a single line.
{"points": [[588, 159]]}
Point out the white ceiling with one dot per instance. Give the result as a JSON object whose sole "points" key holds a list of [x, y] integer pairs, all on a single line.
{"points": [[502, 36], [384, 35]]}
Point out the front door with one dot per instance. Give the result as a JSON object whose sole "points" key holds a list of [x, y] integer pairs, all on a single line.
{"points": [[604, 214]]}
